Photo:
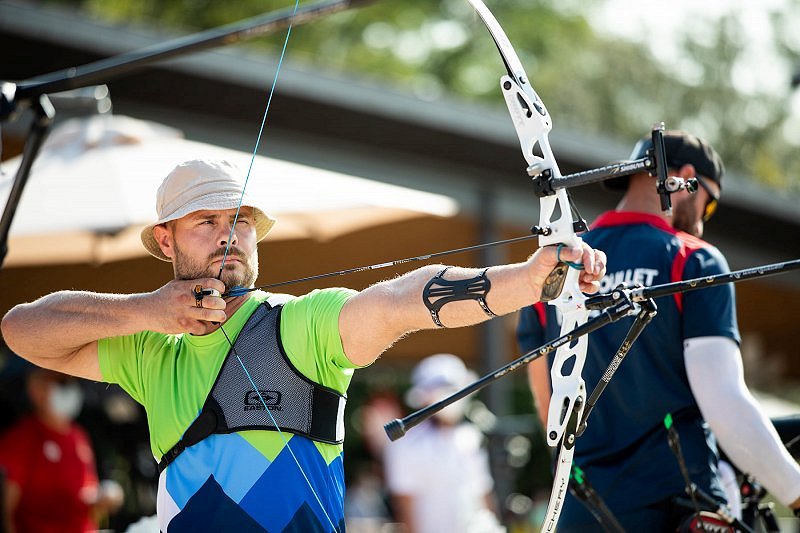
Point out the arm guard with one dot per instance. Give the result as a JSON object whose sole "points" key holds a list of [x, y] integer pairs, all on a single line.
{"points": [[439, 292]]}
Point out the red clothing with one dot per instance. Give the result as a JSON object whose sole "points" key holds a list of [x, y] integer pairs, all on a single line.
{"points": [[54, 472]]}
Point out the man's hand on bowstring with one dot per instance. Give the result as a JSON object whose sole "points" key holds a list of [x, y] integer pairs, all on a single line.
{"points": [[591, 263], [184, 306]]}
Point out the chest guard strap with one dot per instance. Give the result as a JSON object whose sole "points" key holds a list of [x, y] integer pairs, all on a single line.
{"points": [[297, 404]]}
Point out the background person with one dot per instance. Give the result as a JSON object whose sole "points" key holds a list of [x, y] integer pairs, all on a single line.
{"points": [[51, 480], [438, 475], [686, 362]]}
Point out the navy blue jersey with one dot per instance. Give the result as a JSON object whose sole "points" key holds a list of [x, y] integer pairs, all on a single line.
{"points": [[624, 450]]}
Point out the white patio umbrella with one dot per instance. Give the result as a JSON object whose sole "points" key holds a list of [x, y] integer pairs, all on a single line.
{"points": [[93, 187]]}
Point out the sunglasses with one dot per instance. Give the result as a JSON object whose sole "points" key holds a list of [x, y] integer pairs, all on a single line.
{"points": [[713, 202]]}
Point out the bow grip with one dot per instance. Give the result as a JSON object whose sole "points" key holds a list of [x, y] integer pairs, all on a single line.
{"points": [[554, 282]]}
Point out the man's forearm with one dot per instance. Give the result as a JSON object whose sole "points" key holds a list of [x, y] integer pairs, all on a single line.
{"points": [[59, 324], [431, 297], [506, 289]]}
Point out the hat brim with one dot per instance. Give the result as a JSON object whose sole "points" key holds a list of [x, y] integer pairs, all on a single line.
{"points": [[263, 222]]}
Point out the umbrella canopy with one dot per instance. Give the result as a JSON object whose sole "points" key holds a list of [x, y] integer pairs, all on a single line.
{"points": [[93, 187]]}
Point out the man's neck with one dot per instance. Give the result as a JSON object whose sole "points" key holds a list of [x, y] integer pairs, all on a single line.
{"points": [[641, 198], [235, 303]]}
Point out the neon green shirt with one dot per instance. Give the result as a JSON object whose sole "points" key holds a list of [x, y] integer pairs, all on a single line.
{"points": [[171, 375]]}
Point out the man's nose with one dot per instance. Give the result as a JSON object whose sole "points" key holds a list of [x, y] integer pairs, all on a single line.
{"points": [[228, 233]]}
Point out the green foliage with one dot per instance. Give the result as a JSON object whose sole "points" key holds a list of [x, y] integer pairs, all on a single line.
{"points": [[588, 81]]}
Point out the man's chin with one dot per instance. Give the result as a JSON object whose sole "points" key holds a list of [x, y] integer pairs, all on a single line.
{"points": [[232, 275], [236, 281]]}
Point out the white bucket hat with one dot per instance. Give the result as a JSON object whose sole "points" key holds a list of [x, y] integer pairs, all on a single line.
{"points": [[439, 372], [198, 185]]}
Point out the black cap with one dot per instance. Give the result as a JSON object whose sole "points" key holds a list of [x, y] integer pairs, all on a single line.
{"points": [[682, 148]]}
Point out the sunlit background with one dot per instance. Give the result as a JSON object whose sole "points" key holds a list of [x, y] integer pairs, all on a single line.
{"points": [[406, 92]]}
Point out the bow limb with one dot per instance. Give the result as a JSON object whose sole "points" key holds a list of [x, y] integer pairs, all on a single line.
{"points": [[556, 227]]}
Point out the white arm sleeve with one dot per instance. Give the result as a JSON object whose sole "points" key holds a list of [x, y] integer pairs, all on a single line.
{"points": [[716, 377]]}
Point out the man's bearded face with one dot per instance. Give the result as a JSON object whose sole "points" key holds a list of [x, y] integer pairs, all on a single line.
{"points": [[234, 274]]}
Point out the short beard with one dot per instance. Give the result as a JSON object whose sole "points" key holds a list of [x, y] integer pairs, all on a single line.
{"points": [[685, 217], [188, 268]]}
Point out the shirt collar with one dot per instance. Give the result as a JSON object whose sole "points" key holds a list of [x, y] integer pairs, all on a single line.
{"points": [[622, 218]]}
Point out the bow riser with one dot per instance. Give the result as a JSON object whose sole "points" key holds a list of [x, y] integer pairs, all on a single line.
{"points": [[569, 389], [533, 125], [564, 462]]}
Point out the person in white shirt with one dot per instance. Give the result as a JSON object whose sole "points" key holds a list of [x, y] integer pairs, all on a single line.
{"points": [[438, 474]]}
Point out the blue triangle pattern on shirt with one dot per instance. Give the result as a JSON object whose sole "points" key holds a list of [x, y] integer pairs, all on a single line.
{"points": [[274, 494], [306, 521], [282, 499], [234, 463], [210, 509]]}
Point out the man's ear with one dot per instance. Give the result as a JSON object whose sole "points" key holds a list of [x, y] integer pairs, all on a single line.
{"points": [[687, 171], [164, 238]]}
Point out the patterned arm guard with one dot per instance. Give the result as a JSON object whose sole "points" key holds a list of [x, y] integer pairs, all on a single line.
{"points": [[439, 292]]}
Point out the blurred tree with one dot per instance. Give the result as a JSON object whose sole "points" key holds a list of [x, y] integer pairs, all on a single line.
{"points": [[589, 80]]}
